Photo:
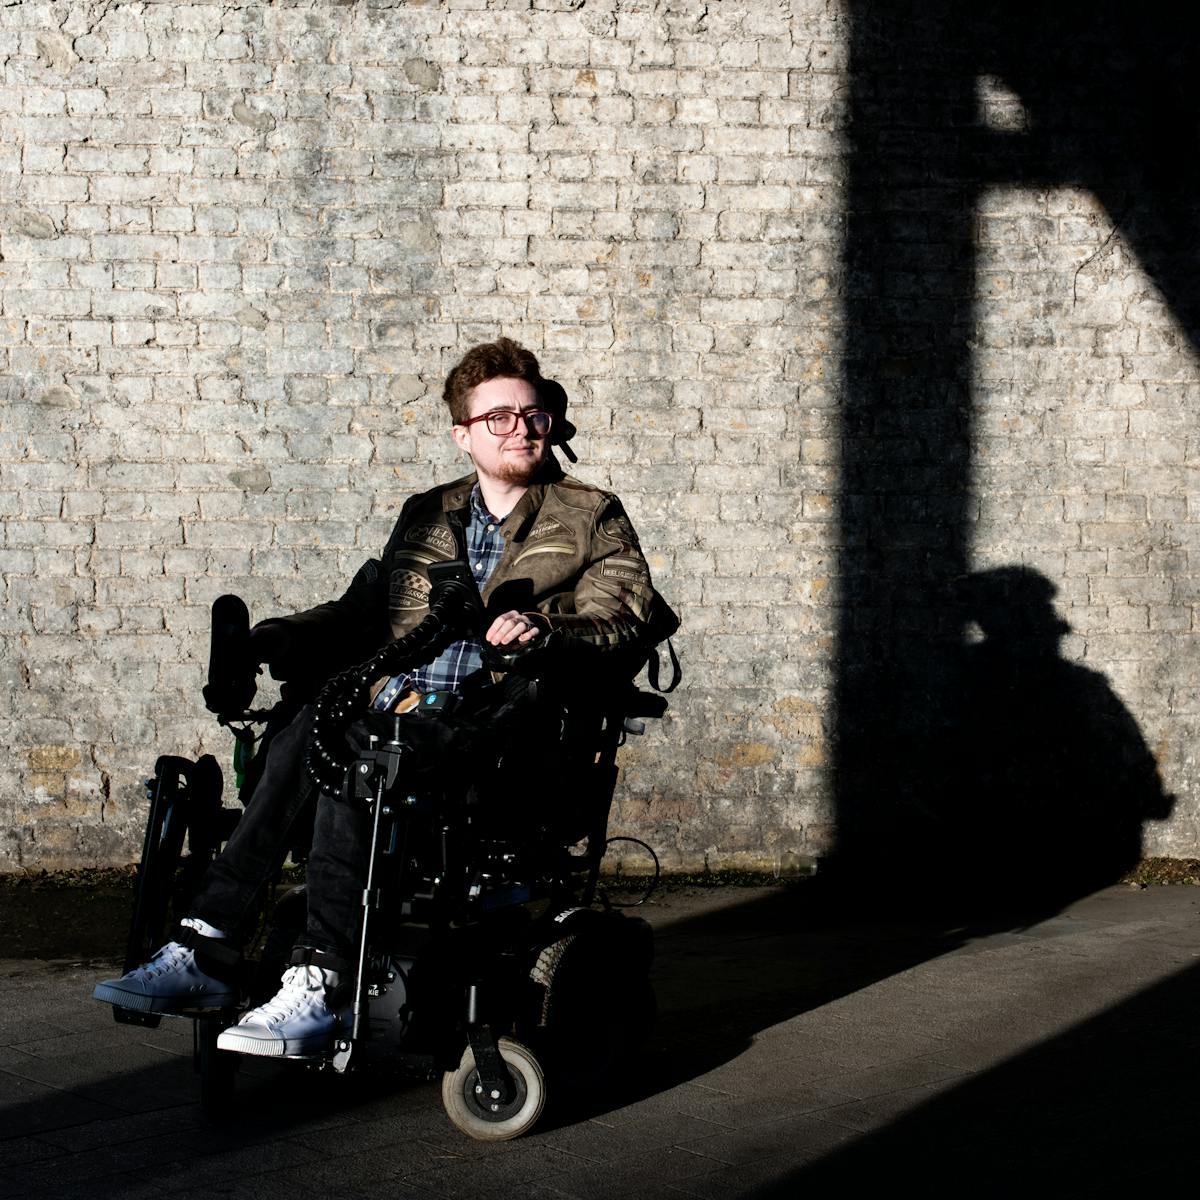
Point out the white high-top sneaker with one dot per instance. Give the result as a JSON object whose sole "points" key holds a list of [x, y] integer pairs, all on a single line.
{"points": [[296, 1022], [169, 983]]}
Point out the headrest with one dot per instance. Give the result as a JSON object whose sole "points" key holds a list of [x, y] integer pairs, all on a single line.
{"points": [[553, 398]]}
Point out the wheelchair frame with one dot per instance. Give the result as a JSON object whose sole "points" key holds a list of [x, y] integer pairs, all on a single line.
{"points": [[482, 957]]}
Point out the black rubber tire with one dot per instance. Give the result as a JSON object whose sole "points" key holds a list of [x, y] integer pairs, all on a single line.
{"points": [[593, 1015], [468, 1114]]}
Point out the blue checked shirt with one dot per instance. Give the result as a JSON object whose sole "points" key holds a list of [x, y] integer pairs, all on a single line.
{"points": [[459, 659]]}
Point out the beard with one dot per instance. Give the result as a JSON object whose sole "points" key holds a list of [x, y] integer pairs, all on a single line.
{"points": [[520, 474]]}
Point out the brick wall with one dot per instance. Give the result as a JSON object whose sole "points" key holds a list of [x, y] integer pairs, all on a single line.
{"points": [[242, 244]]}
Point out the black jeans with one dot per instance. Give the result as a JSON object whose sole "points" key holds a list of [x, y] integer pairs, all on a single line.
{"points": [[261, 840], [341, 844], [337, 874], [449, 753]]}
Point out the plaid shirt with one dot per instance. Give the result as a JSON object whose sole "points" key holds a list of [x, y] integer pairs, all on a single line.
{"points": [[461, 658]]}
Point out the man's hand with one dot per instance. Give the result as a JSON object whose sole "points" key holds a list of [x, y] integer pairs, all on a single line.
{"points": [[511, 627]]}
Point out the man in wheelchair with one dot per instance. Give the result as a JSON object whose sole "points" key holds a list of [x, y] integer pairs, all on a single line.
{"points": [[559, 571]]}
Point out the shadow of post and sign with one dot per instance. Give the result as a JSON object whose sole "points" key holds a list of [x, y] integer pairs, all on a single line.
{"points": [[1011, 778], [983, 784], [1001, 763]]}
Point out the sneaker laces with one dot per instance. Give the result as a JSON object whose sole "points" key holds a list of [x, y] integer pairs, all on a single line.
{"points": [[302, 987], [172, 957]]}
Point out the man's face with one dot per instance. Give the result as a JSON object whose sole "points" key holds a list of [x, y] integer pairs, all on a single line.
{"points": [[515, 458]]}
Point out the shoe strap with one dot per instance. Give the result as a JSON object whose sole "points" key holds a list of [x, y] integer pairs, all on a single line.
{"points": [[336, 995], [311, 956], [214, 956]]}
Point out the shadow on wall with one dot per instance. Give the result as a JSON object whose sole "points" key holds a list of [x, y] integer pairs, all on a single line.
{"points": [[1047, 779], [1036, 793], [980, 785], [1002, 751]]}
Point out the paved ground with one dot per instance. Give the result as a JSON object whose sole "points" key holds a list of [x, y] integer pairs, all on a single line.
{"points": [[1055, 1055]]}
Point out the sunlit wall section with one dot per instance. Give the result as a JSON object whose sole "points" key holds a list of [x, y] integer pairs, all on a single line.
{"points": [[1085, 468], [241, 245]]}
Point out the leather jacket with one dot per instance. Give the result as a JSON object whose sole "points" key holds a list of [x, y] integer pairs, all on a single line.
{"points": [[571, 563]]}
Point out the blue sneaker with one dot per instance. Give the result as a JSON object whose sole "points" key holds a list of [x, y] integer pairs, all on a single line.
{"points": [[169, 983]]}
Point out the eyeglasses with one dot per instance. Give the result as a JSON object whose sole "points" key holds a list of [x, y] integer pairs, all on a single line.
{"points": [[503, 421]]}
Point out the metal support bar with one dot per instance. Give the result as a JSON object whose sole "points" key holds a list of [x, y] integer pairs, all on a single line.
{"points": [[360, 981]]}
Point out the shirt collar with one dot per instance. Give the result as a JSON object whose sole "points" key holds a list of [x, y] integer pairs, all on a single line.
{"points": [[479, 510]]}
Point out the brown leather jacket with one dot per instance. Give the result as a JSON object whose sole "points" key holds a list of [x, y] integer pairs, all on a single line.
{"points": [[571, 563]]}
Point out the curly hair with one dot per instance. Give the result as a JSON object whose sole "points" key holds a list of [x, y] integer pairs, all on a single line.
{"points": [[501, 359]]}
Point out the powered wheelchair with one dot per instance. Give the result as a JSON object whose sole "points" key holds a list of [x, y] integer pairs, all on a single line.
{"points": [[488, 951]]}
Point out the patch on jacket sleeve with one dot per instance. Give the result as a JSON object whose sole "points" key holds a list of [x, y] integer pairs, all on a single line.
{"points": [[619, 528], [627, 570], [408, 590], [433, 537]]}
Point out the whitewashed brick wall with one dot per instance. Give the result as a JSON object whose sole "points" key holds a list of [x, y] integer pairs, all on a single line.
{"points": [[243, 242]]}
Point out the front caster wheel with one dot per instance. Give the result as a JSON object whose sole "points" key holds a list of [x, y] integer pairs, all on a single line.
{"points": [[477, 1118]]}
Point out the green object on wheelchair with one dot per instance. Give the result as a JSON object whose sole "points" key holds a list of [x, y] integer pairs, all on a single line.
{"points": [[243, 756]]}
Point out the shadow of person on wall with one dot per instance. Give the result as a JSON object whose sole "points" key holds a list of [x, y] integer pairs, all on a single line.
{"points": [[1047, 779], [1030, 792]]}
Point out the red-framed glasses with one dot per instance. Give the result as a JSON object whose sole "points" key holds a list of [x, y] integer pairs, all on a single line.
{"points": [[503, 421]]}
